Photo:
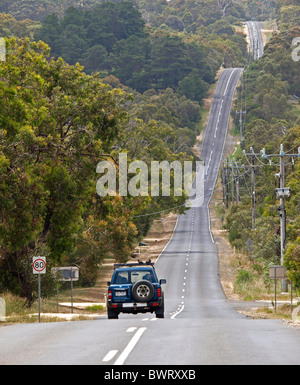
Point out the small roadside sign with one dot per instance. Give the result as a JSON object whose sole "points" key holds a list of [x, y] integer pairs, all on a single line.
{"points": [[277, 272], [70, 273], [39, 265], [66, 273]]}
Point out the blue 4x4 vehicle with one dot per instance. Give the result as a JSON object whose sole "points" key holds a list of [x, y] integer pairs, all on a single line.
{"points": [[134, 288]]}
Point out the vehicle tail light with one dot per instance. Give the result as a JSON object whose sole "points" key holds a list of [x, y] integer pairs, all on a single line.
{"points": [[155, 304], [114, 305], [159, 292], [109, 294]]}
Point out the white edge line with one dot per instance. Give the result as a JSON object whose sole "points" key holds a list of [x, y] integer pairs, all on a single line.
{"points": [[169, 239], [222, 152], [208, 203], [130, 346]]}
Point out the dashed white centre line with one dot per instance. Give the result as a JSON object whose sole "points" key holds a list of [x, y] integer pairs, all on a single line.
{"points": [[132, 329], [134, 340], [179, 311], [110, 355]]}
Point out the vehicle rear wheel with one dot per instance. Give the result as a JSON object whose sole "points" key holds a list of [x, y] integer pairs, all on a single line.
{"points": [[160, 312], [142, 291], [111, 314]]}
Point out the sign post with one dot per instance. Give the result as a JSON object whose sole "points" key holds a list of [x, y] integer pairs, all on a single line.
{"points": [[39, 267], [277, 272], [70, 274]]}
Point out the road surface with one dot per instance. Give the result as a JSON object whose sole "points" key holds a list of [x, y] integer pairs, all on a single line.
{"points": [[200, 325], [256, 40]]}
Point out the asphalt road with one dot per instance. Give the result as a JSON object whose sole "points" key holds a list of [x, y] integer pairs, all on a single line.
{"points": [[256, 41], [200, 325]]}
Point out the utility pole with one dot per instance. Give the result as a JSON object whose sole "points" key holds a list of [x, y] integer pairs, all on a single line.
{"points": [[227, 172], [253, 190], [232, 184], [227, 183], [252, 155], [237, 184], [282, 193], [223, 182], [235, 181], [241, 112]]}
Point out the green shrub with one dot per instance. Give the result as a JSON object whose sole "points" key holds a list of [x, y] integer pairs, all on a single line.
{"points": [[244, 277]]}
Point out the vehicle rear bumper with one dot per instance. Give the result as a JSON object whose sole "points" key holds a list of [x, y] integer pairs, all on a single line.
{"points": [[134, 307]]}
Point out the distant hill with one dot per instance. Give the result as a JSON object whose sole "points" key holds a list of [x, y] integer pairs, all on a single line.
{"points": [[40, 9]]}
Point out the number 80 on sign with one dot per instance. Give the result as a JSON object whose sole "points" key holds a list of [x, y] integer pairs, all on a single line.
{"points": [[39, 265]]}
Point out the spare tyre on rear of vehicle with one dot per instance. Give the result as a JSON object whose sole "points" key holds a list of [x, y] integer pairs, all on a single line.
{"points": [[142, 291]]}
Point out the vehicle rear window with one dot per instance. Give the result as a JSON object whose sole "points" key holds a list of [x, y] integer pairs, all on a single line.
{"points": [[132, 276]]}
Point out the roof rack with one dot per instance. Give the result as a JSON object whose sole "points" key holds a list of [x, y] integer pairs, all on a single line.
{"points": [[139, 263]]}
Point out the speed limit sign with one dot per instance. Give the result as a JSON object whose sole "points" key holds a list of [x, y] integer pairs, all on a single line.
{"points": [[39, 265]]}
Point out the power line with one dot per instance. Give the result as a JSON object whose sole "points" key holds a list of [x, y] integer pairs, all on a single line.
{"points": [[184, 204], [282, 193], [253, 155]]}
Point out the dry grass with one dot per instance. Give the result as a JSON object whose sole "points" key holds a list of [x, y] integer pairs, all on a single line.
{"points": [[88, 301]]}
